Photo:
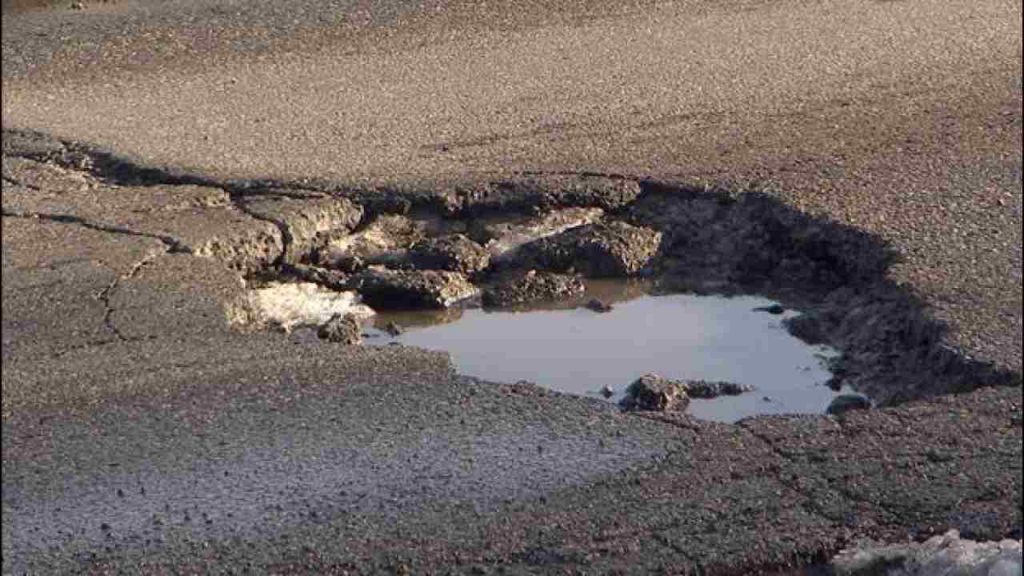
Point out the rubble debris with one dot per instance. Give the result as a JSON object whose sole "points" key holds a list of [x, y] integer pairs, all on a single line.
{"points": [[289, 305], [455, 253], [607, 249], [342, 329], [385, 241], [532, 286], [706, 390], [394, 329], [502, 237], [598, 306], [654, 393], [307, 222], [385, 288]]}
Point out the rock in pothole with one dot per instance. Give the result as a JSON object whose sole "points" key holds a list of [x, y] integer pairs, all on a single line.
{"points": [[385, 241], [533, 286], [654, 393], [455, 253], [847, 403], [706, 390], [343, 329], [385, 288], [503, 236], [289, 305], [607, 249], [306, 222]]}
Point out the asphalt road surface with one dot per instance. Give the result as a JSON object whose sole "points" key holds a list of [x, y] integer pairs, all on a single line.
{"points": [[141, 434]]}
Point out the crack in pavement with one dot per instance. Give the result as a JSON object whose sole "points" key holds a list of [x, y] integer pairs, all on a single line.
{"points": [[172, 244], [15, 182], [684, 425], [845, 495], [114, 170], [105, 294]]}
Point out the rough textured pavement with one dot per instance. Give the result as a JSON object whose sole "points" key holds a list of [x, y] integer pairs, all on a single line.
{"points": [[142, 434]]}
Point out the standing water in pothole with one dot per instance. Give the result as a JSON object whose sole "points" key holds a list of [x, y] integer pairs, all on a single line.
{"points": [[680, 336]]}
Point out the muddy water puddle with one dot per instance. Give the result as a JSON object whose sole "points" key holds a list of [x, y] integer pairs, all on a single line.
{"points": [[570, 348]]}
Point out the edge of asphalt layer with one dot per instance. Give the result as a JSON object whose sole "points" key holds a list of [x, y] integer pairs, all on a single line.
{"points": [[642, 493]]}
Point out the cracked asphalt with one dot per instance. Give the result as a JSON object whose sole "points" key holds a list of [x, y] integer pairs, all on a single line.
{"points": [[143, 434]]}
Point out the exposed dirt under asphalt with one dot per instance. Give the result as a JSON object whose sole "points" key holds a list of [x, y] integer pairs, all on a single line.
{"points": [[859, 159]]}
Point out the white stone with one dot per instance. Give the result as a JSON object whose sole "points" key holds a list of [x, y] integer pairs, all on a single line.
{"points": [[293, 305], [945, 555]]}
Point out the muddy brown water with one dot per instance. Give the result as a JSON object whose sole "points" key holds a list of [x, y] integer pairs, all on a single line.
{"points": [[569, 348]]}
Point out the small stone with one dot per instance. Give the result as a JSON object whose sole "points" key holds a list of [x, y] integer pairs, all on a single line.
{"points": [[706, 390], [654, 393], [847, 402], [394, 329], [342, 329], [598, 306], [775, 309], [607, 391]]}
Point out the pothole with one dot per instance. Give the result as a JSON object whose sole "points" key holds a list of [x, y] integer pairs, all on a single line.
{"points": [[453, 247], [508, 278]]}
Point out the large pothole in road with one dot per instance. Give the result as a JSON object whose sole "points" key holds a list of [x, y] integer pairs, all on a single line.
{"points": [[453, 248], [497, 274]]}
